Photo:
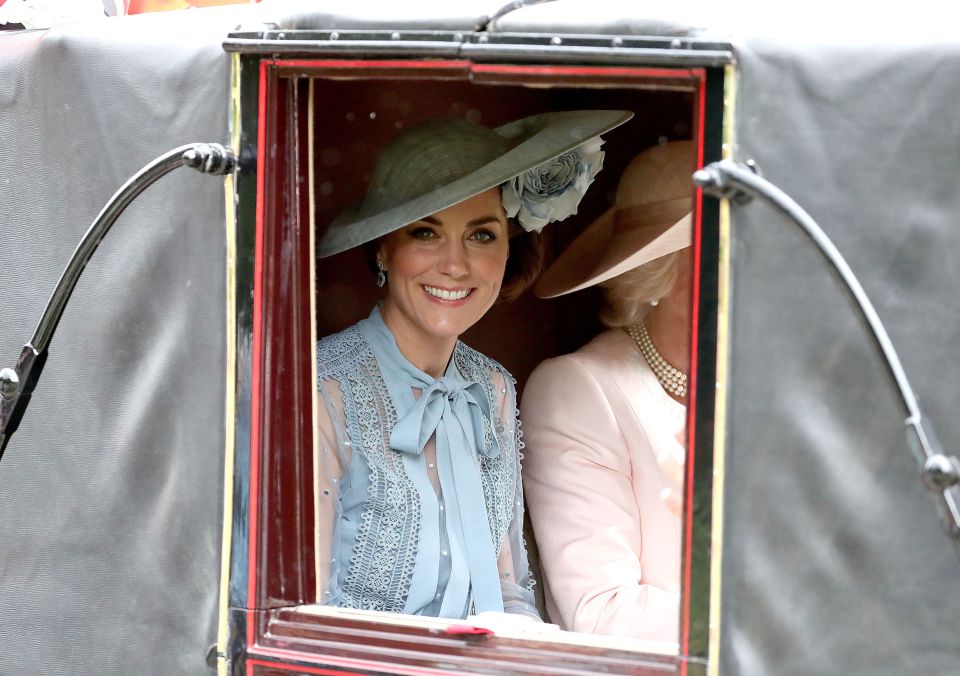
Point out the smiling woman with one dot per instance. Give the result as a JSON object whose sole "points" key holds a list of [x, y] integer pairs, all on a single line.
{"points": [[445, 272], [420, 508]]}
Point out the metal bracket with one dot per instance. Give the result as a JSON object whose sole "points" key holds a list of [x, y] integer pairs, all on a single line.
{"points": [[740, 183], [715, 180], [17, 384], [940, 472]]}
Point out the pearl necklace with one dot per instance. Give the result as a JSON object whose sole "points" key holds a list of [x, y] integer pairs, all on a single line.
{"points": [[671, 378]]}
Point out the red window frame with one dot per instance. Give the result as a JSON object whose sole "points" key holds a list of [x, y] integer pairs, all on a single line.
{"points": [[278, 637]]}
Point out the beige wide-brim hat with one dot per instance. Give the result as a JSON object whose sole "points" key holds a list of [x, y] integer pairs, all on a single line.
{"points": [[651, 218], [443, 162]]}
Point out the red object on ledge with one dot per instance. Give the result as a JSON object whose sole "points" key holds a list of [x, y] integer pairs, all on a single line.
{"points": [[468, 630]]}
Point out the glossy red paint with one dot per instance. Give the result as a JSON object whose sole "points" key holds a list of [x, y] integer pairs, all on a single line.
{"points": [[281, 568], [257, 362], [692, 386], [368, 646], [367, 65], [265, 666], [594, 73]]}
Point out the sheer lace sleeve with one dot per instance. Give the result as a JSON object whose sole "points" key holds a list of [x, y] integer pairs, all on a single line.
{"points": [[333, 451], [516, 582]]}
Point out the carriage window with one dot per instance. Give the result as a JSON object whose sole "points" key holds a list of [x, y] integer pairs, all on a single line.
{"points": [[410, 509]]}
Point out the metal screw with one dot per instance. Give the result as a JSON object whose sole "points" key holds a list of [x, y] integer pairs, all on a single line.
{"points": [[334, 35], [555, 40], [617, 42]]}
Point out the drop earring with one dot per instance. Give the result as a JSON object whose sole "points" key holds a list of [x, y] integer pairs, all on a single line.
{"points": [[654, 302], [381, 274]]}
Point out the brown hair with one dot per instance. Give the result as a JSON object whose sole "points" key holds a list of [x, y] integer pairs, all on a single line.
{"points": [[524, 263]]}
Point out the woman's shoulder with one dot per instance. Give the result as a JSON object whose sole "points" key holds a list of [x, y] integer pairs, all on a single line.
{"points": [[606, 351], [341, 350], [473, 364], [573, 391], [612, 345]]}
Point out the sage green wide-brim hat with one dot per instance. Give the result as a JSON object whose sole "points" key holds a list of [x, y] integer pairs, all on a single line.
{"points": [[442, 162]]}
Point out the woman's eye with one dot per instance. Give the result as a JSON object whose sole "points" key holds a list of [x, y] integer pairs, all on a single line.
{"points": [[422, 233], [483, 236]]}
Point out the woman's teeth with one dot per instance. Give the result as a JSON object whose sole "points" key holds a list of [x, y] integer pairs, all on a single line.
{"points": [[447, 295]]}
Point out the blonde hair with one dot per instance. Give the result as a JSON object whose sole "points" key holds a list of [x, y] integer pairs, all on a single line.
{"points": [[626, 297]]}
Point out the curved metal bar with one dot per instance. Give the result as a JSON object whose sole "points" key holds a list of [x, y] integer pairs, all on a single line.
{"points": [[210, 158], [718, 178], [510, 7], [729, 180], [17, 384]]}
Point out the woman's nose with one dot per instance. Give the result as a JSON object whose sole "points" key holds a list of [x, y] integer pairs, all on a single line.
{"points": [[454, 261]]}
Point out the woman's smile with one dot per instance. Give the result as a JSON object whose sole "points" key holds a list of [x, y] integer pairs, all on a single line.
{"points": [[447, 296]]}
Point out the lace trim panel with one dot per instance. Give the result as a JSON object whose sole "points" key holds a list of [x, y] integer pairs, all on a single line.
{"points": [[384, 554]]}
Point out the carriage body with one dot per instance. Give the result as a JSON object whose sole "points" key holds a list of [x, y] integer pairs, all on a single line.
{"points": [[157, 497]]}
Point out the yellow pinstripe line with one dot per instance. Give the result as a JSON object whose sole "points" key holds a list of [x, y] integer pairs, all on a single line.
{"points": [[223, 624], [720, 407]]}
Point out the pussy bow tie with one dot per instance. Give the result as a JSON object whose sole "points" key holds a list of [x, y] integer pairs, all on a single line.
{"points": [[457, 414], [465, 406]]}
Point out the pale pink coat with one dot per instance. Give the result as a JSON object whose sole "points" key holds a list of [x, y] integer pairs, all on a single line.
{"points": [[594, 424]]}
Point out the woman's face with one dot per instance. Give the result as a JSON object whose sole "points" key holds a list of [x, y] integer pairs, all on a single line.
{"points": [[445, 271]]}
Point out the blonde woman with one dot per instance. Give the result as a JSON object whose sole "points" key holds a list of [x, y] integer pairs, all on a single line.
{"points": [[604, 426]]}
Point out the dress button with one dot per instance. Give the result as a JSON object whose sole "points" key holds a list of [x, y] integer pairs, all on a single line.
{"points": [[441, 508], [444, 552], [430, 465]]}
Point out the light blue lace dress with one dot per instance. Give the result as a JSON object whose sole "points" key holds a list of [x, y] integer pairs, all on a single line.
{"points": [[419, 504]]}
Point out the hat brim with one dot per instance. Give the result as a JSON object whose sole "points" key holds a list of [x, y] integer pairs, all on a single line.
{"points": [[601, 253], [542, 137]]}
